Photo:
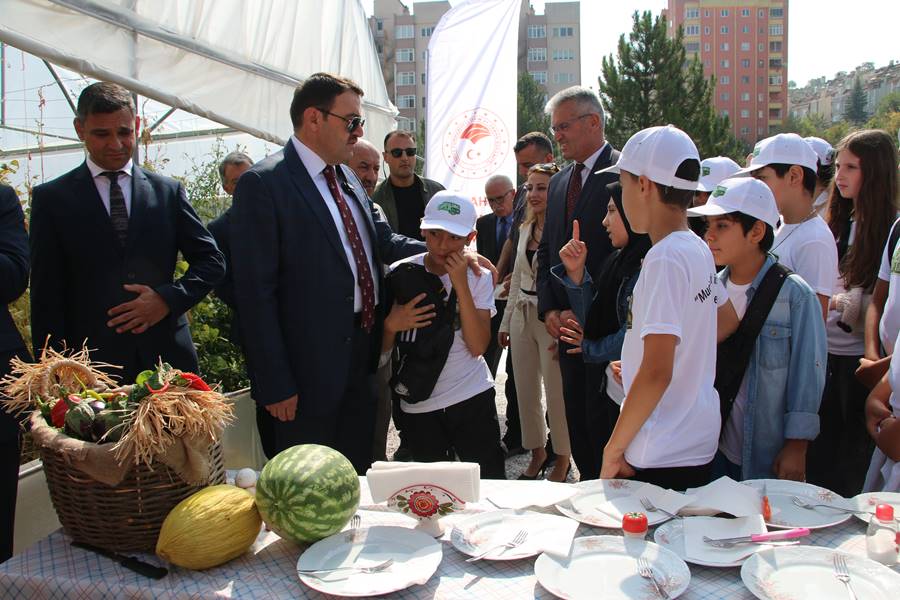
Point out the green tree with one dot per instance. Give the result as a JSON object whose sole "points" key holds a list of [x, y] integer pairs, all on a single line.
{"points": [[530, 105], [887, 115], [855, 112], [651, 82]]}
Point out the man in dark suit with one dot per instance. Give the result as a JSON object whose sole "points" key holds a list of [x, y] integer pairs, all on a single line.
{"points": [[307, 249], [576, 192], [493, 231], [13, 281], [105, 238]]}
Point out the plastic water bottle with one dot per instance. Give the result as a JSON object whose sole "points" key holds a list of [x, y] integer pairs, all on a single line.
{"points": [[881, 536]]}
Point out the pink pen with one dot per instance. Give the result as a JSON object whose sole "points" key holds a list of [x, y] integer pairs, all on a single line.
{"points": [[772, 536]]}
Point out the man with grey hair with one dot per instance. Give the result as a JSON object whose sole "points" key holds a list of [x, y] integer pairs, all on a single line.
{"points": [[577, 192], [231, 168], [366, 163]]}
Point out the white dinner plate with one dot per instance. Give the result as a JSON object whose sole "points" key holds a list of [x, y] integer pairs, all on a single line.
{"points": [[787, 515], [807, 572], [488, 529], [870, 500], [670, 535], [416, 557], [606, 566], [591, 494]]}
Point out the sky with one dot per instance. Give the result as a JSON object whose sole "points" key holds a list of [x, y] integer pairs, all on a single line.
{"points": [[816, 30]]}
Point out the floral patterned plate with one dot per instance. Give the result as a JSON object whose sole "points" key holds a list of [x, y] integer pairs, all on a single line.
{"points": [[670, 535], [870, 500], [807, 572], [594, 493], [785, 514], [606, 566], [485, 530]]}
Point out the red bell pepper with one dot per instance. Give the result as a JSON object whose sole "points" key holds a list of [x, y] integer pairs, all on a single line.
{"points": [[59, 410], [195, 382]]}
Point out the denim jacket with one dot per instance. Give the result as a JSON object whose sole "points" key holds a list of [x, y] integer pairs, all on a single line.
{"points": [[607, 348], [786, 374]]}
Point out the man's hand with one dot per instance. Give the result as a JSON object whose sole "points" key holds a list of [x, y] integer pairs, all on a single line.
{"points": [[139, 314], [572, 334], [551, 322], [285, 410], [791, 461], [476, 262], [503, 339], [616, 368], [573, 255], [615, 466], [408, 316], [870, 372], [456, 264]]}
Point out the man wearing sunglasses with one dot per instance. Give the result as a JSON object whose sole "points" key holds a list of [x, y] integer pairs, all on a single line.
{"points": [[403, 195]]}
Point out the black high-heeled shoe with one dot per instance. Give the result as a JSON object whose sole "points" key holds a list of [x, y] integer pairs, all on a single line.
{"points": [[566, 476], [540, 474]]}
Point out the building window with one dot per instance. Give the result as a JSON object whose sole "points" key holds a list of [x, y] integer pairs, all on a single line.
{"points": [[761, 14], [760, 47], [379, 25], [406, 124], [775, 80], [424, 54], [774, 46], [774, 63], [427, 31], [404, 32], [692, 30], [564, 54], [692, 46], [725, 80], [745, 79], [537, 55], [745, 29], [724, 46], [724, 29], [745, 12], [725, 96], [706, 31], [423, 101], [563, 78], [724, 12], [406, 101], [745, 63], [406, 78], [406, 55], [776, 13], [706, 47], [692, 13], [424, 79], [761, 63], [745, 97], [761, 97], [774, 113], [745, 46], [745, 131], [563, 31], [745, 114], [776, 29], [724, 112], [537, 31], [539, 77], [706, 13], [760, 114], [725, 64]]}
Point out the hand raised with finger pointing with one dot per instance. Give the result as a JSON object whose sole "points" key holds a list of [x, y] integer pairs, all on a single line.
{"points": [[573, 255]]}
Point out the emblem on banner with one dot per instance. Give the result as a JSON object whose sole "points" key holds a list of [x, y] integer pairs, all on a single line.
{"points": [[475, 143]]}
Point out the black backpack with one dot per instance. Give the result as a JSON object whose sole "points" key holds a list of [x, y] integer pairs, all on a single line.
{"points": [[733, 354]]}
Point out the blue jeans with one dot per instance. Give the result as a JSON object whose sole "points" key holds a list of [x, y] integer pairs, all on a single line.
{"points": [[721, 467]]}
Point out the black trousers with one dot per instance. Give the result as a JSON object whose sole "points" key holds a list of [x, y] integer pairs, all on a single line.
{"points": [[10, 447], [677, 478], [349, 426], [839, 458], [494, 350], [513, 436], [601, 412], [583, 443], [469, 429]]}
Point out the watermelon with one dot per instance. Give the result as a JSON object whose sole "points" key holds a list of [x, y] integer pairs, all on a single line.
{"points": [[307, 493]]}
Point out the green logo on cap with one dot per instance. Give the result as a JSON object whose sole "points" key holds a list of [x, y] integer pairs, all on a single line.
{"points": [[756, 149], [719, 191], [704, 171], [450, 207]]}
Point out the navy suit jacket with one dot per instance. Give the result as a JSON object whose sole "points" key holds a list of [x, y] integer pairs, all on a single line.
{"points": [[293, 284], [590, 210], [79, 268], [13, 268], [486, 226]]}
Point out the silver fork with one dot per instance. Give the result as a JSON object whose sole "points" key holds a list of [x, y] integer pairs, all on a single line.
{"points": [[355, 522], [650, 507], [809, 506], [513, 543], [371, 569], [646, 571], [842, 573]]}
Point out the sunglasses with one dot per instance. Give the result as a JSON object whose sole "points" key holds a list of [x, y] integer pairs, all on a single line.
{"points": [[353, 123], [398, 152]]}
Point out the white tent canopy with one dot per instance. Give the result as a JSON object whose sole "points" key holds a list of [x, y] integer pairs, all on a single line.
{"points": [[230, 61]]}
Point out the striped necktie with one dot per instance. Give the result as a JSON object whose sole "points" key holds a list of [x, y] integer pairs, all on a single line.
{"points": [[118, 214]]}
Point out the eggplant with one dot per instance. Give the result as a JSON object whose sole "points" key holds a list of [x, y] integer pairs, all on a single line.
{"points": [[108, 423], [97, 405], [80, 421]]}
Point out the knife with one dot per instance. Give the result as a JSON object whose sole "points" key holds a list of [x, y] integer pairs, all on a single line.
{"points": [[786, 534], [129, 562]]}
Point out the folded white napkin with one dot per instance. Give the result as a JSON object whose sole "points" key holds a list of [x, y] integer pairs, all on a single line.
{"points": [[725, 495], [548, 533], [460, 478], [716, 528], [533, 493], [669, 500]]}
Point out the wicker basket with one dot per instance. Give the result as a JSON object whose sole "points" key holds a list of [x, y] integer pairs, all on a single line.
{"points": [[124, 518]]}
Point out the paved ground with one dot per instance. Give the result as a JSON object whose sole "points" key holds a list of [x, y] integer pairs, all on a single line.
{"points": [[516, 465]]}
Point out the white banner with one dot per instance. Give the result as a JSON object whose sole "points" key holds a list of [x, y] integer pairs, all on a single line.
{"points": [[471, 102]]}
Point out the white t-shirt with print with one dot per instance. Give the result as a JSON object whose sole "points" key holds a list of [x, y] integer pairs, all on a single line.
{"points": [[732, 443], [809, 250], [890, 318], [677, 293], [463, 375]]}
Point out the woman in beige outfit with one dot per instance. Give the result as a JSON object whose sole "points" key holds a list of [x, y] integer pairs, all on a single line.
{"points": [[533, 350]]}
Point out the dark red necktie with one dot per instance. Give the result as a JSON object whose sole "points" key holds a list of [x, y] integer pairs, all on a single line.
{"points": [[574, 191], [363, 273]]}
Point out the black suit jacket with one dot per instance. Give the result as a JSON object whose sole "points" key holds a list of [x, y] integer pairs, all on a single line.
{"points": [[79, 268], [13, 267], [486, 226], [293, 285], [590, 210]]}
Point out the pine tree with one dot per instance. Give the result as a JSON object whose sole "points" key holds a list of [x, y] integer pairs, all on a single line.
{"points": [[651, 82], [855, 112]]}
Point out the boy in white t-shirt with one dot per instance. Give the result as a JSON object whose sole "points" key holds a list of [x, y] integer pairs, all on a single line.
{"points": [[668, 429], [804, 243], [459, 417]]}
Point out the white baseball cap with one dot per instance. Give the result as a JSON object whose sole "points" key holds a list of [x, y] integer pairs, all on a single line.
{"points": [[656, 153], [822, 149], [451, 211], [784, 148], [715, 169], [740, 194]]}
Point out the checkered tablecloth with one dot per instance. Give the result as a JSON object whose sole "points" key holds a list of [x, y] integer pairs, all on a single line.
{"points": [[54, 569]]}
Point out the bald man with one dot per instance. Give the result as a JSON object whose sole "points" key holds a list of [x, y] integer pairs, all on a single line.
{"points": [[366, 163]]}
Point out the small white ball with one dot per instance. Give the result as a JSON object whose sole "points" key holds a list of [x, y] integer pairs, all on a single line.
{"points": [[245, 478]]}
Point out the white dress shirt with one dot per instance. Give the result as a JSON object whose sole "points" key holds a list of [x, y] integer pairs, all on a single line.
{"points": [[102, 182], [589, 163], [316, 167]]}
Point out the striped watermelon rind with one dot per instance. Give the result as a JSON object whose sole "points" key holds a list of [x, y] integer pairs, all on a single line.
{"points": [[307, 492]]}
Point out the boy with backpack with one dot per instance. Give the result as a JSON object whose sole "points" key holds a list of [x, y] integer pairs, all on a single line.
{"points": [[771, 372]]}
